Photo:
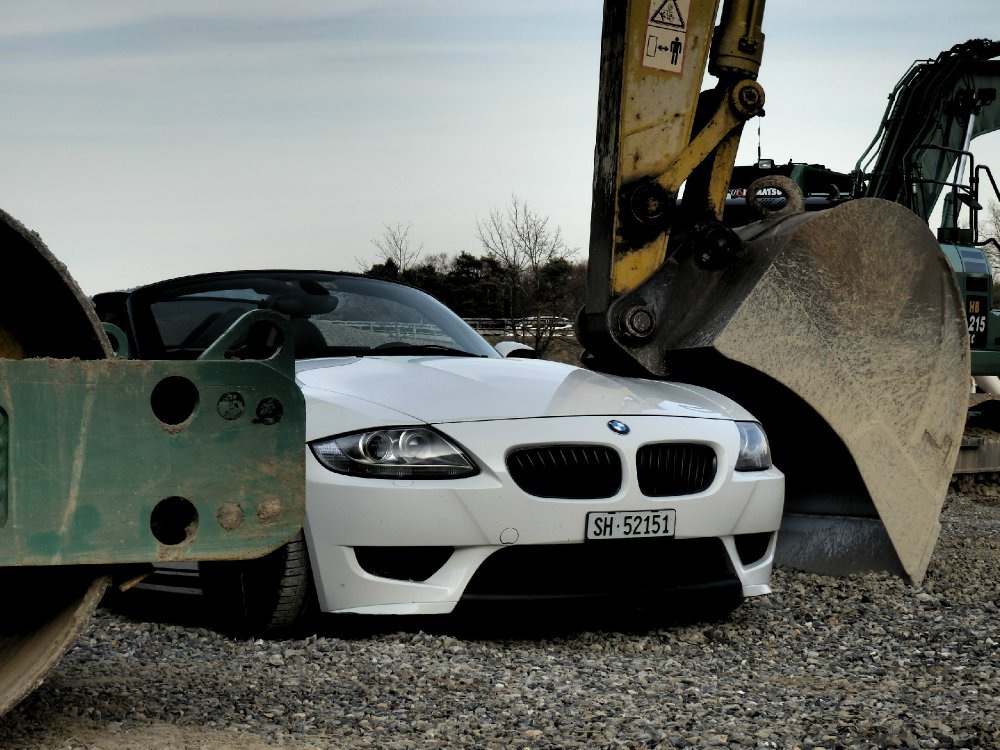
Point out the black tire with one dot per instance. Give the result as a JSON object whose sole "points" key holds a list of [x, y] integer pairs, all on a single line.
{"points": [[272, 596]]}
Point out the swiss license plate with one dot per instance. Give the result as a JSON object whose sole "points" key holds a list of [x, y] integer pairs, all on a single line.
{"points": [[630, 524]]}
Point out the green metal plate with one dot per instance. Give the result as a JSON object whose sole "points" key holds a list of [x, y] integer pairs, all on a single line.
{"points": [[118, 461]]}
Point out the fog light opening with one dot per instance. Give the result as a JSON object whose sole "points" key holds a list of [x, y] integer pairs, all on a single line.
{"points": [[752, 547], [174, 521], [403, 563]]}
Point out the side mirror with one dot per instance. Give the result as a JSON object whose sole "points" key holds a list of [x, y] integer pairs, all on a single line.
{"points": [[516, 349]]}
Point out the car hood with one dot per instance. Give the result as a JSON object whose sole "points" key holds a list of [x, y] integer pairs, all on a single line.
{"points": [[463, 389]]}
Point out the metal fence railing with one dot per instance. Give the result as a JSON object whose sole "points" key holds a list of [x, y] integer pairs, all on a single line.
{"points": [[559, 326]]}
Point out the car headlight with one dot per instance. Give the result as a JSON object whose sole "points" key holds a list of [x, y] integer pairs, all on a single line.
{"points": [[394, 453], [755, 453]]}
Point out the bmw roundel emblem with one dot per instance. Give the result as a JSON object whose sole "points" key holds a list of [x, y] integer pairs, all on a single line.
{"points": [[620, 427]]}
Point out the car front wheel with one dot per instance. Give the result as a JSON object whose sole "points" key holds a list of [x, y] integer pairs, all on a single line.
{"points": [[272, 596]]}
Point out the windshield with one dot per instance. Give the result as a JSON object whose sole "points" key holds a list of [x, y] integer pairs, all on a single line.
{"points": [[330, 315]]}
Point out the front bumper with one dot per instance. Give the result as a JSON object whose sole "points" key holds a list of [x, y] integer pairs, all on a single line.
{"points": [[524, 546]]}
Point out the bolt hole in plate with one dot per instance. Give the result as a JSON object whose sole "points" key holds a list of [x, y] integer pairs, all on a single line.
{"points": [[174, 400], [174, 521]]}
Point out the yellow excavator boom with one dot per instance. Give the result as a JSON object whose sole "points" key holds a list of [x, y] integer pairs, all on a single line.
{"points": [[842, 331]]}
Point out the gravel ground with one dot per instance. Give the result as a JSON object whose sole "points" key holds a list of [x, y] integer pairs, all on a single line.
{"points": [[864, 661]]}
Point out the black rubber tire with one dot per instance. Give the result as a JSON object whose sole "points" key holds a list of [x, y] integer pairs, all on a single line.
{"points": [[272, 596]]}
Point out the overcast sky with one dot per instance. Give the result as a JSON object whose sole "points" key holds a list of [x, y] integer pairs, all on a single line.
{"points": [[145, 140]]}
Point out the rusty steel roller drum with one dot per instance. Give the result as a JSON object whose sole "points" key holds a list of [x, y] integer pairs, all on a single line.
{"points": [[43, 313]]}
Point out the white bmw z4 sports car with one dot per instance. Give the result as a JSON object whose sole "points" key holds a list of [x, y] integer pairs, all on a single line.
{"points": [[440, 472]]}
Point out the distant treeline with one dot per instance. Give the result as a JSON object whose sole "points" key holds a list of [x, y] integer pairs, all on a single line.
{"points": [[482, 287]]}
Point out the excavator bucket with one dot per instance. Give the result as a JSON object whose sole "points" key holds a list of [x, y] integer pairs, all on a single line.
{"points": [[109, 464], [843, 332]]}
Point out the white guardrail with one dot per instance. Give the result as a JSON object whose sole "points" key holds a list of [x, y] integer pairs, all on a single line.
{"points": [[499, 326]]}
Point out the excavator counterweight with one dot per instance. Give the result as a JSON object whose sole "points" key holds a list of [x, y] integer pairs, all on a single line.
{"points": [[842, 331]]}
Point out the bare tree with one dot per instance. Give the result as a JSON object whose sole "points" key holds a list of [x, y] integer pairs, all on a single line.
{"points": [[440, 262], [524, 245], [992, 223], [989, 230], [396, 245]]}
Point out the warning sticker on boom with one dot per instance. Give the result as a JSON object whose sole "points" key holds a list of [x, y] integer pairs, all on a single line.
{"points": [[666, 35]]}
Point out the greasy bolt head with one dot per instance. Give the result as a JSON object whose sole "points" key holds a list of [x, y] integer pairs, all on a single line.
{"points": [[230, 516], [231, 405], [268, 510], [649, 202], [748, 98], [270, 411], [639, 322]]}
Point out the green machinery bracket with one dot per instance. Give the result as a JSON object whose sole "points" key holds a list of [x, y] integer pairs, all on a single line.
{"points": [[119, 461]]}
